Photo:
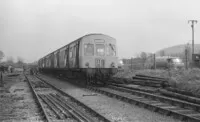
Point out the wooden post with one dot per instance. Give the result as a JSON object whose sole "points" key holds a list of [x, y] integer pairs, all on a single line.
{"points": [[1, 79], [131, 63], [154, 60], [192, 25], [186, 58]]}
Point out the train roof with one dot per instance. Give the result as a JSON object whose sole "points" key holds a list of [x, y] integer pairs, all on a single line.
{"points": [[91, 34]]}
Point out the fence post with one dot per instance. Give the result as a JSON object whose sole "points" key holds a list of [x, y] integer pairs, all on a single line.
{"points": [[154, 60], [1, 79]]}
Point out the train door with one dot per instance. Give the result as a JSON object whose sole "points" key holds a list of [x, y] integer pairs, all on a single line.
{"points": [[45, 62], [62, 57], [71, 63], [52, 60], [77, 54], [57, 58], [66, 59], [73, 48], [100, 54]]}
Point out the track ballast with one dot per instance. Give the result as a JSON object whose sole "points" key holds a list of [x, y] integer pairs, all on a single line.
{"points": [[56, 105]]}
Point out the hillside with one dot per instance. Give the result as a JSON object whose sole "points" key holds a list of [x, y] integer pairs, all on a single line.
{"points": [[178, 49]]}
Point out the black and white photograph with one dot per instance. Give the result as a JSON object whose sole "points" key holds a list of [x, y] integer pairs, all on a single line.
{"points": [[99, 61]]}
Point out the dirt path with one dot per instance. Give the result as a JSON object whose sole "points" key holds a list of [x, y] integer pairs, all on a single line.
{"points": [[16, 101]]}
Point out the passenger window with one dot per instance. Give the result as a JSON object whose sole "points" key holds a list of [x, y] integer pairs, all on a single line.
{"points": [[74, 52], [55, 60], [88, 49], [70, 52], [100, 49]]}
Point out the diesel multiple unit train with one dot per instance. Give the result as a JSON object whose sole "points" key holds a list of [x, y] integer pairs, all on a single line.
{"points": [[92, 58]]}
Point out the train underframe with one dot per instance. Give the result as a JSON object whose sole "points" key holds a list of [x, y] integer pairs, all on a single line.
{"points": [[85, 76]]}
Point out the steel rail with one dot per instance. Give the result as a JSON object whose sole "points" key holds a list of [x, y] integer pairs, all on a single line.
{"points": [[45, 116], [75, 114], [180, 96], [71, 106], [50, 104], [62, 110], [183, 92]]}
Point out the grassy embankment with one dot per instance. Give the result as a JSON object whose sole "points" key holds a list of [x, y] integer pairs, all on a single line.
{"points": [[188, 80]]}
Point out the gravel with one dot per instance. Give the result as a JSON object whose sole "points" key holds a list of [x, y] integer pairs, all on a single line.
{"points": [[17, 103], [113, 109]]}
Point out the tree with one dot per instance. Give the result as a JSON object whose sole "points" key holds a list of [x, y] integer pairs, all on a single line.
{"points": [[20, 61], [1, 55], [143, 56], [162, 53], [10, 60]]}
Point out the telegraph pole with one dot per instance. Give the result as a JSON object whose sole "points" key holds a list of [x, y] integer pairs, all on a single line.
{"points": [[193, 22]]}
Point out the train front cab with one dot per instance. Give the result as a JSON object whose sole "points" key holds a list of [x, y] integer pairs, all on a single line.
{"points": [[98, 57]]}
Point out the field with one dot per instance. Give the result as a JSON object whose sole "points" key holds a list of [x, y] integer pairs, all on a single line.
{"points": [[188, 80]]}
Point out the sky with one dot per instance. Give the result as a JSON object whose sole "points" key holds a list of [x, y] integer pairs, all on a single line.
{"points": [[33, 28]]}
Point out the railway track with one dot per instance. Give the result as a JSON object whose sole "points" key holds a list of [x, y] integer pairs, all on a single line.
{"points": [[165, 105], [152, 100], [144, 89], [44, 115], [169, 92], [57, 105]]}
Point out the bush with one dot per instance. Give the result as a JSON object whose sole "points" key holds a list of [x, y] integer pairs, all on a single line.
{"points": [[188, 80]]}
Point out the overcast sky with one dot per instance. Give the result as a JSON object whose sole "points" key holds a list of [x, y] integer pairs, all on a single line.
{"points": [[34, 28]]}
